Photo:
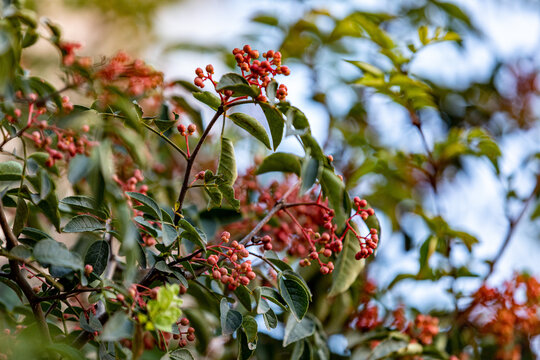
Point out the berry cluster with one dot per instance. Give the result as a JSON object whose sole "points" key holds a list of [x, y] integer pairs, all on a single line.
{"points": [[257, 72], [305, 228], [70, 58], [136, 76], [57, 142], [424, 329], [186, 132], [189, 333], [241, 273], [509, 314]]}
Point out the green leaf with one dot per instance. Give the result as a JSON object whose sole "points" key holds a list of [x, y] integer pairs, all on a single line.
{"points": [[50, 252], [271, 90], [272, 295], [295, 295], [238, 85], [310, 172], [215, 197], [21, 215], [228, 193], [249, 324], [252, 126], [275, 122], [367, 68], [83, 223], [295, 330], [347, 268], [244, 350], [227, 162], [244, 296], [87, 204], [270, 319], [181, 354], [208, 98], [334, 189], [118, 327], [8, 297], [231, 320], [192, 233], [283, 162], [423, 34], [98, 256], [169, 234], [149, 205], [65, 351], [10, 170]]}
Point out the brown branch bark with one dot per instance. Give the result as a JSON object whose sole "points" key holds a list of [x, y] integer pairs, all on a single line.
{"points": [[18, 277]]}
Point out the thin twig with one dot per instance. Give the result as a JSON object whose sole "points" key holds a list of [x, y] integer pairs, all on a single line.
{"points": [[189, 165], [512, 227], [169, 141]]}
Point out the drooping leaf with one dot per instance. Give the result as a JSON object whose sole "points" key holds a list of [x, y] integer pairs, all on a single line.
{"points": [[297, 330], [295, 295], [208, 98], [283, 162], [227, 162], [8, 297], [98, 256], [21, 215], [347, 268], [334, 189], [252, 126], [231, 320], [169, 234], [192, 233], [275, 122]]}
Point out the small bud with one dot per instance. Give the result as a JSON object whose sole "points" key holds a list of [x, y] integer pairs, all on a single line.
{"points": [[209, 69], [88, 269]]}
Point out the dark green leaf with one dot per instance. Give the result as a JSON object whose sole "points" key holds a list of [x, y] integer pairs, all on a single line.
{"points": [[295, 330], [49, 252], [208, 98], [81, 203], [10, 170], [275, 122], [244, 296], [227, 162], [295, 295], [149, 205], [252, 126], [231, 320], [83, 223], [118, 327], [282, 162], [238, 85], [347, 268], [98, 256], [169, 234], [181, 354], [21, 215], [8, 297]]}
